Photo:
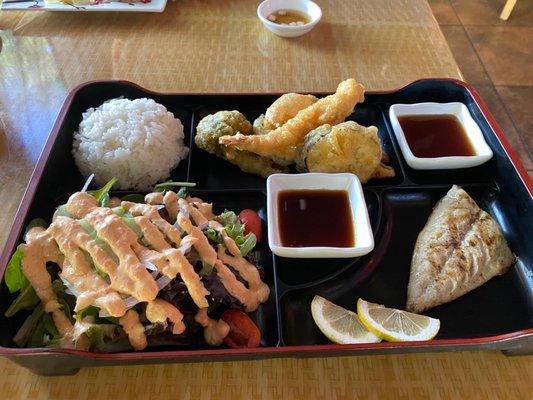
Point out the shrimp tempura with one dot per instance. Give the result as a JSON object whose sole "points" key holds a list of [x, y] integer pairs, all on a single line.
{"points": [[282, 143], [283, 109], [287, 107]]}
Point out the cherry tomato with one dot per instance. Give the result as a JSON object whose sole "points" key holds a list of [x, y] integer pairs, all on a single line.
{"points": [[252, 223], [242, 330]]}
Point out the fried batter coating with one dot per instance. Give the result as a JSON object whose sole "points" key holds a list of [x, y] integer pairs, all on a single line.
{"points": [[346, 147], [287, 106], [282, 143], [262, 125], [283, 109], [213, 126], [384, 171]]}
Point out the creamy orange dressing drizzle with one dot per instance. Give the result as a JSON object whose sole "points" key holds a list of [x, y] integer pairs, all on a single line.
{"points": [[171, 205], [40, 249], [175, 262], [196, 215], [91, 287], [246, 270], [159, 311], [214, 331], [154, 198], [152, 213], [205, 208], [123, 241], [202, 246], [134, 329], [129, 276]]}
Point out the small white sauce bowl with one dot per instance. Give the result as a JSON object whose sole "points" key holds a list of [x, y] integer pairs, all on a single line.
{"points": [[483, 152], [311, 9], [364, 238]]}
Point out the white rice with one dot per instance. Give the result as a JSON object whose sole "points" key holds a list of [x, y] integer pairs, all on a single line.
{"points": [[136, 141]]}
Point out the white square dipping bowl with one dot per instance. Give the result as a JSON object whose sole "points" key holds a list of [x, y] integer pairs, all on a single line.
{"points": [[471, 128], [364, 238]]}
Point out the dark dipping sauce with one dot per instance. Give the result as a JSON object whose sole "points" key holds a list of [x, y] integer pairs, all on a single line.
{"points": [[432, 136], [312, 218]]}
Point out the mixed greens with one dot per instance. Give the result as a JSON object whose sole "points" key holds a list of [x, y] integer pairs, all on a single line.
{"points": [[104, 333]]}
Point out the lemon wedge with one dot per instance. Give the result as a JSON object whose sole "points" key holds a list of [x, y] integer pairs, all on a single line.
{"points": [[338, 324], [396, 325]]}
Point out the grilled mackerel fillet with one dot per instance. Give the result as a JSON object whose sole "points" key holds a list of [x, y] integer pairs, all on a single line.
{"points": [[460, 248]]}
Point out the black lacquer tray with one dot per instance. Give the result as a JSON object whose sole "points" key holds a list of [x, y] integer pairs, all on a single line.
{"points": [[498, 315]]}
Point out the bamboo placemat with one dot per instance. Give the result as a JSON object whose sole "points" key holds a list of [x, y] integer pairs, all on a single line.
{"points": [[465, 375], [220, 46]]}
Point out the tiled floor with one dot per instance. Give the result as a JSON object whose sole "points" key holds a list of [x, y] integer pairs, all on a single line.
{"points": [[497, 58]]}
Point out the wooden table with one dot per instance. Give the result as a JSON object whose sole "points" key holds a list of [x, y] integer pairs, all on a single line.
{"points": [[220, 46]]}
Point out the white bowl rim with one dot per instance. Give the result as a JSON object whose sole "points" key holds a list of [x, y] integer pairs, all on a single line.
{"points": [[320, 251], [482, 148], [311, 23]]}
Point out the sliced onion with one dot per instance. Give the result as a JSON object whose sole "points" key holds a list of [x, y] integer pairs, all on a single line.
{"points": [[130, 302], [149, 265], [203, 226], [154, 274], [163, 282], [186, 244], [159, 207], [87, 183], [70, 287], [177, 225]]}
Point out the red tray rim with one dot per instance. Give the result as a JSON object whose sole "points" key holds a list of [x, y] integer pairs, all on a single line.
{"points": [[275, 350]]}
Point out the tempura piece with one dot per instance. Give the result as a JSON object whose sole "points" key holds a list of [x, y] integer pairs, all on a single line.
{"points": [[262, 126], [383, 171], [283, 109], [282, 143], [287, 107], [346, 147], [213, 126]]}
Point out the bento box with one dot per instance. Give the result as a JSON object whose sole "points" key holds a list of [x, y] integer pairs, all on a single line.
{"points": [[497, 315]]}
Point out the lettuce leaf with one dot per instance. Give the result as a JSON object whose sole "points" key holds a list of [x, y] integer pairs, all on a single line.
{"points": [[235, 230], [246, 243], [15, 279], [161, 187], [87, 227], [228, 218], [107, 338], [218, 291], [21, 338], [206, 269], [102, 195], [43, 332], [66, 301], [39, 330], [26, 300], [213, 235], [90, 311], [62, 211]]}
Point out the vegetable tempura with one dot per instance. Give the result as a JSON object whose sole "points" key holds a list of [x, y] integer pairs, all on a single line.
{"points": [[281, 144]]}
